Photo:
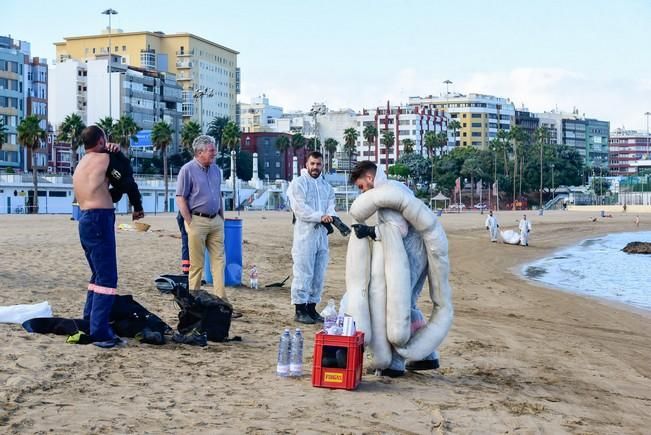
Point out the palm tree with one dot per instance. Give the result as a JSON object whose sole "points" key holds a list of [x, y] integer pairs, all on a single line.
{"points": [[370, 133], [350, 144], [387, 140], [189, 133], [215, 129], [231, 136], [517, 136], [124, 131], [30, 135], [441, 141], [503, 145], [161, 136], [298, 141], [108, 125], [330, 146], [70, 131], [454, 125], [3, 133], [282, 145], [408, 146], [472, 167], [541, 135], [430, 143]]}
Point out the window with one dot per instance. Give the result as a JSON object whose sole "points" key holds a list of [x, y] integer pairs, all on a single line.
{"points": [[476, 115], [476, 134], [124, 48], [93, 50], [476, 124], [278, 164], [57, 194]]}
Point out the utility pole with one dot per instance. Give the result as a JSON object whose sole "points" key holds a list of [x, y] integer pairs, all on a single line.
{"points": [[110, 12]]}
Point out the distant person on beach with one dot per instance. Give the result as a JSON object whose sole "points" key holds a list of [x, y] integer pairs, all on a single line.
{"points": [[492, 225], [525, 229], [312, 200], [624, 208], [198, 197], [97, 226], [637, 221]]}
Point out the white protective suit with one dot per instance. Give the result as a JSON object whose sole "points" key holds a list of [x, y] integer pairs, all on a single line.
{"points": [[310, 199], [416, 254], [525, 229], [492, 225]]}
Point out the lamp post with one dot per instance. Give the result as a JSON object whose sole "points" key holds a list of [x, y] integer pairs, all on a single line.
{"points": [[200, 93], [109, 12], [447, 91], [553, 191]]}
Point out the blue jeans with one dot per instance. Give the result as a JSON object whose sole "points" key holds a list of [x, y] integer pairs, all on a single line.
{"points": [[185, 251]]}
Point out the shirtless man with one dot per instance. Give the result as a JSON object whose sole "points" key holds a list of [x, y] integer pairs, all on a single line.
{"points": [[96, 226]]}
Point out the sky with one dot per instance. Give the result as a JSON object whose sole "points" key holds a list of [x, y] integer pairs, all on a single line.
{"points": [[592, 55]]}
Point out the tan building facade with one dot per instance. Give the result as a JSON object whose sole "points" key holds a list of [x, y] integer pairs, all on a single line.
{"points": [[198, 64]]}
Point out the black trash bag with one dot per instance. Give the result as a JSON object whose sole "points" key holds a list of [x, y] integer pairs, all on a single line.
{"points": [[203, 312]]}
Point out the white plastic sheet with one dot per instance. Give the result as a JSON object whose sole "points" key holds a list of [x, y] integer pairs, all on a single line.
{"points": [[21, 313]]}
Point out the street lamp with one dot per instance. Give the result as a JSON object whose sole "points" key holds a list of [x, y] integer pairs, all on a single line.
{"points": [[109, 12], [447, 88], [553, 191], [200, 93]]}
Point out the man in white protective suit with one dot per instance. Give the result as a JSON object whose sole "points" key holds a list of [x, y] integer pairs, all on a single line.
{"points": [[312, 200], [525, 229], [366, 175], [492, 225]]}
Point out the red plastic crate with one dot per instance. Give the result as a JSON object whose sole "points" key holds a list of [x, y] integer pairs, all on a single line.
{"points": [[332, 377]]}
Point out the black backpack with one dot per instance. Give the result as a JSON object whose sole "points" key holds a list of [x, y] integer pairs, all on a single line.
{"points": [[200, 310]]}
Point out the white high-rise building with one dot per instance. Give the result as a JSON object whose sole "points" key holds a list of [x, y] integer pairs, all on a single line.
{"points": [[259, 115]]}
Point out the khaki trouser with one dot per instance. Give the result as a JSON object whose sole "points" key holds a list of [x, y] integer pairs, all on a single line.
{"points": [[206, 233]]}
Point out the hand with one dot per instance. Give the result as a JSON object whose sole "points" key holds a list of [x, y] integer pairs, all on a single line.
{"points": [[137, 215], [486, 227], [362, 231], [112, 147], [325, 219]]}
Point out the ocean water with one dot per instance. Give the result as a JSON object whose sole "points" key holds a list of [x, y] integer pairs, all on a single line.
{"points": [[597, 267]]}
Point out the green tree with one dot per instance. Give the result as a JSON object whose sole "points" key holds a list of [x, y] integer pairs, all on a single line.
{"points": [[282, 144], [330, 146], [161, 136], [370, 134], [518, 138], [541, 137], [408, 146], [388, 138], [70, 132], [441, 141], [298, 142], [108, 125], [189, 132], [454, 125], [3, 133], [231, 136], [350, 144], [472, 168], [125, 131], [420, 168], [30, 135], [399, 170], [430, 143], [215, 129]]}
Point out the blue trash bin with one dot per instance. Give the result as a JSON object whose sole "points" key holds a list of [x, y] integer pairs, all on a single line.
{"points": [[232, 255], [233, 252], [76, 211], [439, 212]]}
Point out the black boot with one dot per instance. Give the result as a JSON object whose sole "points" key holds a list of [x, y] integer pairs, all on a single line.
{"points": [[303, 315], [311, 309], [426, 364]]}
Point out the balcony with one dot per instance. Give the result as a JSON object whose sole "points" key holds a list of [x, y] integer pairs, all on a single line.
{"points": [[185, 53], [182, 64]]}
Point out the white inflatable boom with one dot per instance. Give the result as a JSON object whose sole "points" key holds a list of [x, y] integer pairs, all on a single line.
{"points": [[428, 338]]}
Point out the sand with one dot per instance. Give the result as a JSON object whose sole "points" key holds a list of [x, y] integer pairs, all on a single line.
{"points": [[520, 358]]}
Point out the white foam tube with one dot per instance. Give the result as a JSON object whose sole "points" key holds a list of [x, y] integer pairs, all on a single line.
{"points": [[379, 346], [396, 273], [358, 272], [428, 338]]}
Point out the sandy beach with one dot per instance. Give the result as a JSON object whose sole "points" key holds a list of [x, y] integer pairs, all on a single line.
{"points": [[520, 358]]}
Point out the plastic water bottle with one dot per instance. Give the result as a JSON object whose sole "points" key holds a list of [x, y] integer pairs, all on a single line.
{"points": [[329, 315], [282, 369], [296, 354]]}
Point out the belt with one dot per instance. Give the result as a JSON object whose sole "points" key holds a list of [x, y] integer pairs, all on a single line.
{"points": [[206, 215]]}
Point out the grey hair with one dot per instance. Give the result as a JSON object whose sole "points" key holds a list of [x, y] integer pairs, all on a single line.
{"points": [[200, 142]]}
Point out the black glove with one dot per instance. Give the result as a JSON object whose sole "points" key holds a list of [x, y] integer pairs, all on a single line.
{"points": [[342, 227], [327, 226], [362, 231], [120, 175]]}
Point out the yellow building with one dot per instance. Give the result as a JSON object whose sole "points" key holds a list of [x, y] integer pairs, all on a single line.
{"points": [[199, 65], [480, 116]]}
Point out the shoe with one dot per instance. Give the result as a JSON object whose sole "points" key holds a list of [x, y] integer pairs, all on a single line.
{"points": [[113, 342], [392, 373], [148, 336], [303, 315], [236, 314], [193, 338], [311, 309], [426, 364]]}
